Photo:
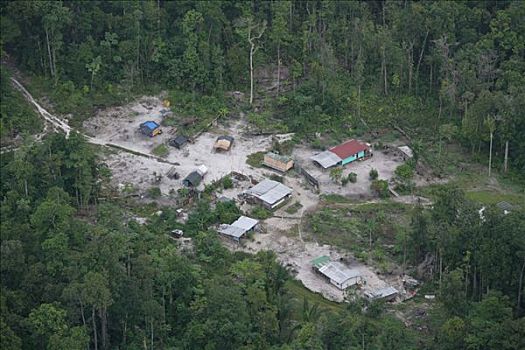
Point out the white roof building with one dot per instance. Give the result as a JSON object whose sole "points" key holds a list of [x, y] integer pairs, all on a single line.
{"points": [[340, 275], [202, 170], [238, 228], [270, 193]]}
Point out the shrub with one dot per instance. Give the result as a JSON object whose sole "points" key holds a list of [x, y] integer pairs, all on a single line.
{"points": [[404, 172], [255, 159], [352, 177], [336, 173], [261, 213], [373, 174], [277, 178], [292, 209], [344, 181], [154, 192], [380, 187], [227, 182]]}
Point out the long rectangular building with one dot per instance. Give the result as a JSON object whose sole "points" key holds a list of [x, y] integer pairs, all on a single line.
{"points": [[338, 274], [343, 154]]}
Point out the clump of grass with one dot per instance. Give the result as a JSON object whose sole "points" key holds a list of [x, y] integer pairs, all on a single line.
{"points": [[255, 159], [294, 208], [161, 150]]}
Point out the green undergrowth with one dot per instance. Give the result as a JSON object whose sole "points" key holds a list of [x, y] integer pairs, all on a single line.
{"points": [[351, 227], [17, 116], [194, 112], [299, 293], [255, 159], [161, 150]]}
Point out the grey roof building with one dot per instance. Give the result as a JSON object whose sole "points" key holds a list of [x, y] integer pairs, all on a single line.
{"points": [[386, 293], [326, 159], [339, 275], [238, 228], [269, 193]]}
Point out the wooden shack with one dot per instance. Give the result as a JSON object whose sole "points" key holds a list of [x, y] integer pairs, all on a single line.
{"points": [[278, 162]]}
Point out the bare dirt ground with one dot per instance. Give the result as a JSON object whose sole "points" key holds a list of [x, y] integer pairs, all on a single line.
{"points": [[385, 164], [297, 255], [119, 126]]}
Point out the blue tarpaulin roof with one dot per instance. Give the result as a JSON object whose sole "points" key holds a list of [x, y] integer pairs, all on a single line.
{"points": [[150, 125]]}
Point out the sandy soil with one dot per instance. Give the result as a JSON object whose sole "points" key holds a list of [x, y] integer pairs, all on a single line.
{"points": [[119, 126]]}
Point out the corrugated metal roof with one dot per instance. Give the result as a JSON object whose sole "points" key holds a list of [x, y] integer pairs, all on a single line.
{"points": [[276, 194], [262, 187], [269, 191], [503, 205], [383, 292], [232, 231], [202, 170], [406, 150], [326, 159], [349, 148], [338, 272], [245, 223]]}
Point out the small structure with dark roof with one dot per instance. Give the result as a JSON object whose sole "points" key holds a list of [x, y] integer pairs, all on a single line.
{"points": [[278, 162], [178, 141], [223, 143], [150, 128], [193, 179]]}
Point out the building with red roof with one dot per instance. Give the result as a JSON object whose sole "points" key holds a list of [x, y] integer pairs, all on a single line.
{"points": [[343, 154]]}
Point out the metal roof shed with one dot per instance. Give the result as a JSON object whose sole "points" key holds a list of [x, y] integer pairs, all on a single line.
{"points": [[192, 180], [179, 141], [245, 223], [326, 159], [270, 193], [387, 293], [339, 275], [232, 232], [320, 261]]}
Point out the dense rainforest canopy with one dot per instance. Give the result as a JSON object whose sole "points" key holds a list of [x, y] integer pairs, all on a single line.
{"points": [[79, 272], [453, 63]]}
